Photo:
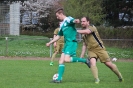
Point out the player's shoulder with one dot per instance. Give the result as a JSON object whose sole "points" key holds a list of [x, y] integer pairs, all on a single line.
{"points": [[69, 18], [92, 26], [56, 30]]}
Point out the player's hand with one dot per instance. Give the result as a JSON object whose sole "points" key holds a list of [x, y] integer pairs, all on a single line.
{"points": [[76, 21], [47, 44]]}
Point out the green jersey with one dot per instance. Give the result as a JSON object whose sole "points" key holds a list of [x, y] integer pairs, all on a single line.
{"points": [[68, 30]]}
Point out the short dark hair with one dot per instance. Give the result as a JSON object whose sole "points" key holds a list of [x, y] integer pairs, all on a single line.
{"points": [[87, 18], [60, 10]]}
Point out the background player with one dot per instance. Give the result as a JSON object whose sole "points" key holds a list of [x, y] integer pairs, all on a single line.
{"points": [[58, 46]]}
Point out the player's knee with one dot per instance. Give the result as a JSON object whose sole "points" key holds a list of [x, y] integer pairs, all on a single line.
{"points": [[110, 65], [114, 66], [61, 61], [67, 61], [93, 61], [56, 52], [67, 58]]}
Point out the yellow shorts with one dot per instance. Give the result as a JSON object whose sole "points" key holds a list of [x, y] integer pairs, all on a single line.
{"points": [[99, 53], [59, 48]]}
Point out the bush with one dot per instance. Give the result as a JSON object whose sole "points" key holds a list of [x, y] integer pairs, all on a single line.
{"points": [[121, 37], [48, 34], [115, 33]]}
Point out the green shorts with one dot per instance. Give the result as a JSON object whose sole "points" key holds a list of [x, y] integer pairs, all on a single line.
{"points": [[70, 48]]}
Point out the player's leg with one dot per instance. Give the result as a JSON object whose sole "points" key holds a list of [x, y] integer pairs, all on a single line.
{"points": [[56, 51], [70, 59], [114, 68], [61, 67], [94, 69], [70, 54], [104, 57], [92, 55], [52, 59]]}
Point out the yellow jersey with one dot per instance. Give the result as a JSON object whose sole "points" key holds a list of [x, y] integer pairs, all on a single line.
{"points": [[61, 40], [93, 40]]}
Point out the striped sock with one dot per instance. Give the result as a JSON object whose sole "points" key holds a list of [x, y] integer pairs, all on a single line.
{"points": [[76, 59]]}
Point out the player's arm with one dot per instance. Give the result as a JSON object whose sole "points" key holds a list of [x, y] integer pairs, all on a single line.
{"points": [[54, 36], [86, 31], [72, 20], [83, 50], [54, 40], [76, 21]]}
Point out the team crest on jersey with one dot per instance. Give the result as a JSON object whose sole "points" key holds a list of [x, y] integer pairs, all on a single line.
{"points": [[65, 24]]}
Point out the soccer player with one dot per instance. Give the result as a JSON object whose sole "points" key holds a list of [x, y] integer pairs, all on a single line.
{"points": [[96, 50], [68, 30], [57, 45]]}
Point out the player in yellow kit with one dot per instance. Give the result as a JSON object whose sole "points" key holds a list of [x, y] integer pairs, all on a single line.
{"points": [[96, 50], [58, 46]]}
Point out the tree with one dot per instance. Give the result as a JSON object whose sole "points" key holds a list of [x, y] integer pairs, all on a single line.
{"points": [[91, 8], [119, 12], [11, 0]]}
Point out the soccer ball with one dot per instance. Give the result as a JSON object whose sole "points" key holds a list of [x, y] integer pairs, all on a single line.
{"points": [[55, 76], [114, 59]]}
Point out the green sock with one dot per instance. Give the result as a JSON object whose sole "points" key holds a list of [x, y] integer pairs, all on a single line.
{"points": [[76, 59], [61, 71]]}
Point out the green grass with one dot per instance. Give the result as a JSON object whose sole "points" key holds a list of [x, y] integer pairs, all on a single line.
{"points": [[120, 53], [38, 74], [25, 46], [34, 46], [124, 53]]}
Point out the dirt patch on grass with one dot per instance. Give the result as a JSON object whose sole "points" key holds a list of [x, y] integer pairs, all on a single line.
{"points": [[125, 60], [47, 58]]}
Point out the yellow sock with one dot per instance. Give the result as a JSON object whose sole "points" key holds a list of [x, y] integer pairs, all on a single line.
{"points": [[94, 71], [53, 57], [116, 71]]}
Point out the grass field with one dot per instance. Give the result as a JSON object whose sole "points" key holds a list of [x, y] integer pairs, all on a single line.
{"points": [[38, 74], [35, 46]]}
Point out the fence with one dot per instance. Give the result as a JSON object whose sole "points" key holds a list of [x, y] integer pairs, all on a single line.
{"points": [[22, 47], [36, 47]]}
